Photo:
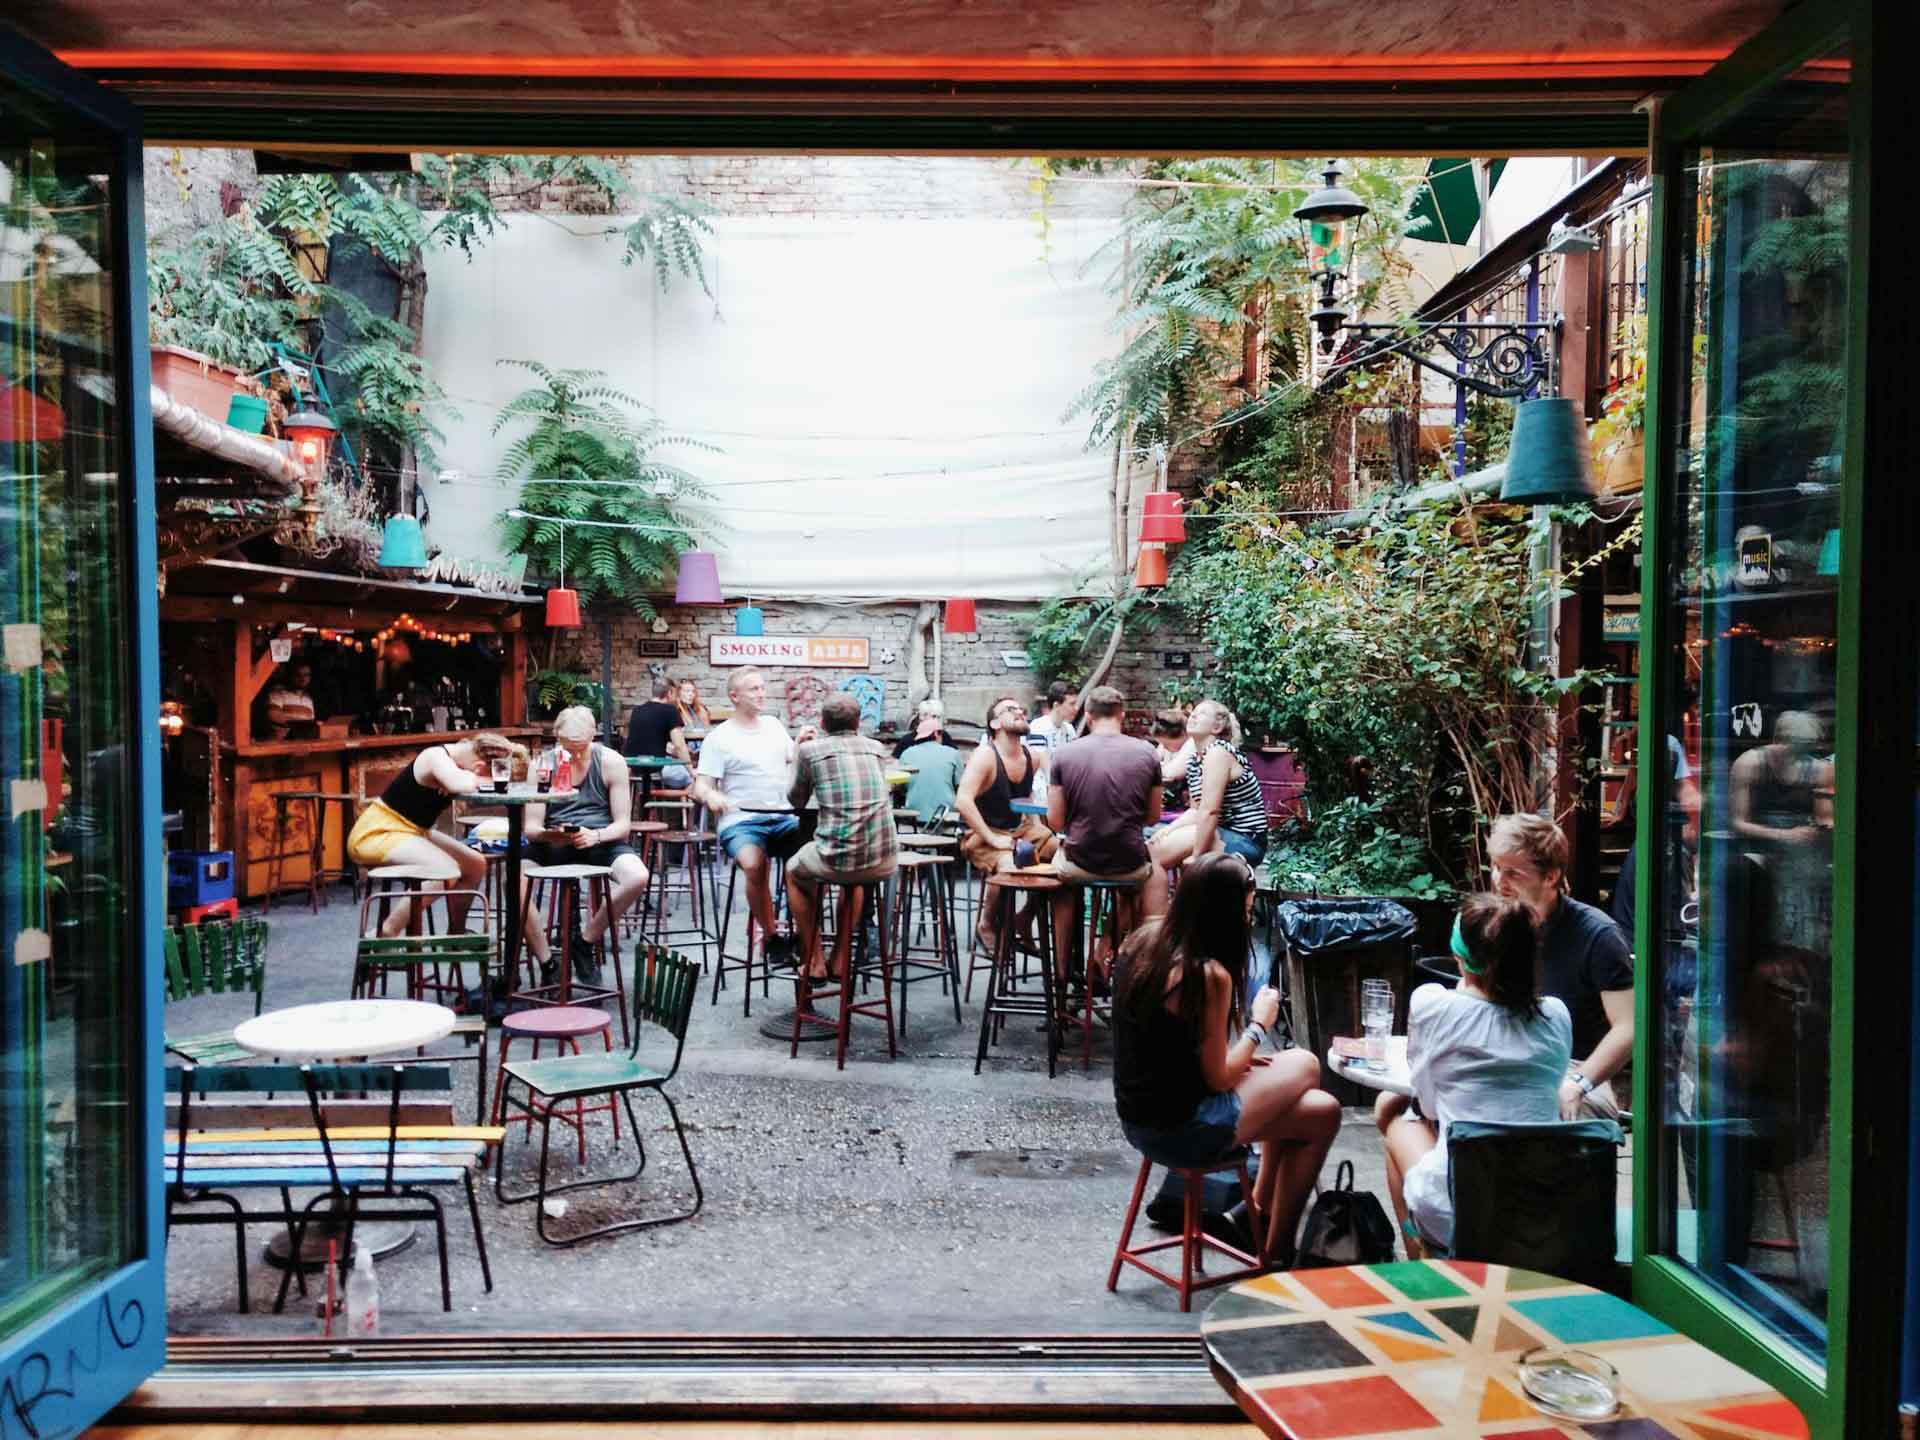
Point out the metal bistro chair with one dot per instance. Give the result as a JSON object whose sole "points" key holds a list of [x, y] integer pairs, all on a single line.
{"points": [[664, 984], [1540, 1197], [215, 959]]}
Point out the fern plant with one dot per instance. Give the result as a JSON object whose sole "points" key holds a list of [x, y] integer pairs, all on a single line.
{"points": [[594, 502], [227, 291]]}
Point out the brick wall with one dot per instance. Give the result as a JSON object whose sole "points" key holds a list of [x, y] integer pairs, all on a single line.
{"points": [[972, 670]]}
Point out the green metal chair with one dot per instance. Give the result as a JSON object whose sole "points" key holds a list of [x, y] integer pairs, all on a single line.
{"points": [[664, 985], [436, 968], [219, 958]]}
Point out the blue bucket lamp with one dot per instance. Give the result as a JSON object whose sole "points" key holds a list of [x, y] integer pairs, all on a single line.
{"points": [[402, 545], [1830, 553], [749, 620], [1549, 461]]}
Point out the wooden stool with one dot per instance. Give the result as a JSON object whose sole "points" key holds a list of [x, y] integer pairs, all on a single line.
{"points": [[925, 873], [319, 876], [851, 899], [644, 834], [577, 885], [563, 1024], [662, 886], [1004, 996], [1193, 1241], [388, 883]]}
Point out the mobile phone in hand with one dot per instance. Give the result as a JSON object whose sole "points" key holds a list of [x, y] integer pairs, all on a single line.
{"points": [[567, 829]]}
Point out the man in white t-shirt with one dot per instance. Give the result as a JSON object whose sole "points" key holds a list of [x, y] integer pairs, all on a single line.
{"points": [[746, 770], [1055, 726]]}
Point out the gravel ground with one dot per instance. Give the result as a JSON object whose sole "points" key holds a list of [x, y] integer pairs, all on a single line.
{"points": [[903, 1196]]}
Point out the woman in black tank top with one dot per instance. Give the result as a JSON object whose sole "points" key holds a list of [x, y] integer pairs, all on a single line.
{"points": [[397, 829], [1186, 1089]]}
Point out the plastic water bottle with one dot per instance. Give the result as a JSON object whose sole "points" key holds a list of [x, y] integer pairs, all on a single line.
{"points": [[363, 1295]]}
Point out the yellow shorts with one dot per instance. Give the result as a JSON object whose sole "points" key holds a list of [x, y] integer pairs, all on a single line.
{"points": [[376, 832]]}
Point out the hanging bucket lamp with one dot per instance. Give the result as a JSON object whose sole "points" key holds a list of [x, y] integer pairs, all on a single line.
{"points": [[749, 620], [1162, 518], [563, 605], [402, 545], [1830, 553], [1150, 570], [1549, 461], [699, 582], [960, 618]]}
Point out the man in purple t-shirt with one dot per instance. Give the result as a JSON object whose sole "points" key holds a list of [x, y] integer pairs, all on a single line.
{"points": [[1104, 788]]}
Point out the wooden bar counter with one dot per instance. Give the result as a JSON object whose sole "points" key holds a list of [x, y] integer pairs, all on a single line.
{"points": [[359, 765]]}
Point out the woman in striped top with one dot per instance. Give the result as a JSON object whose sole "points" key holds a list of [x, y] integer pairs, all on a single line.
{"points": [[1228, 811]]}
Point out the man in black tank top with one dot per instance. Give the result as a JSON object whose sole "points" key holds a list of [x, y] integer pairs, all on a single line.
{"points": [[998, 773]]}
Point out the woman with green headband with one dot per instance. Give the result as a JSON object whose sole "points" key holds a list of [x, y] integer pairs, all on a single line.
{"points": [[1492, 1049]]}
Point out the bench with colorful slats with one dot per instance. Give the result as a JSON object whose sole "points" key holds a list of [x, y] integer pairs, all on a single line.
{"points": [[435, 967], [350, 1163], [227, 957]]}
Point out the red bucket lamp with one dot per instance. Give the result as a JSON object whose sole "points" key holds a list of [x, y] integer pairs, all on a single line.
{"points": [[563, 605], [1162, 518], [1150, 570], [961, 619]]}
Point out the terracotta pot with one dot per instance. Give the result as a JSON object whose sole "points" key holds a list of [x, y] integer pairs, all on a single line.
{"points": [[193, 379]]}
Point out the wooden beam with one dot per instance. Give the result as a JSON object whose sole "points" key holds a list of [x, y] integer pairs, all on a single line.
{"points": [[263, 667], [236, 700], [215, 609], [513, 680]]}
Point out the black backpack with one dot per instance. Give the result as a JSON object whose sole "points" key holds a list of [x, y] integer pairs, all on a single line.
{"points": [[1345, 1227]]}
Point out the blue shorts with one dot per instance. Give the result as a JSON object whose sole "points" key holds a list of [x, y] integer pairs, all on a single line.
{"points": [[1205, 1138], [775, 834], [1250, 848]]}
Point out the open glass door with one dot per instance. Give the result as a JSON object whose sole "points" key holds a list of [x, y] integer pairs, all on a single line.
{"points": [[82, 1316], [1743, 1085]]}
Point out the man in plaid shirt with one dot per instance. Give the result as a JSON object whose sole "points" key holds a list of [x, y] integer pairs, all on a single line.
{"points": [[854, 841]]}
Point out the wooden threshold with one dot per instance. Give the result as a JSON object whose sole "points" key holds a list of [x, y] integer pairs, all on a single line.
{"points": [[693, 1430]]}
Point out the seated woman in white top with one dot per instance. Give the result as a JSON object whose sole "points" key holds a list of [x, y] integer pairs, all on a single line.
{"points": [[1493, 1049]]}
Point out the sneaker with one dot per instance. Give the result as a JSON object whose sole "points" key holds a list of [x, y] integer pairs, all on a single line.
{"points": [[549, 971], [586, 960], [782, 949]]}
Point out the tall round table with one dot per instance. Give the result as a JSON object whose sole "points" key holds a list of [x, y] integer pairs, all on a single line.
{"points": [[340, 1030], [514, 802], [1431, 1348]]}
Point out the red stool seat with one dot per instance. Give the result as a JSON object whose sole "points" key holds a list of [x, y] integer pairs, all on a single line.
{"points": [[557, 1022], [563, 1025], [1193, 1241]]}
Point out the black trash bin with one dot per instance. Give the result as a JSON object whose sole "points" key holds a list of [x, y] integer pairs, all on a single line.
{"points": [[1331, 946]]}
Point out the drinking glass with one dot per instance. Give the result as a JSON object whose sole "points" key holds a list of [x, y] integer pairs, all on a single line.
{"points": [[502, 773], [543, 772], [1376, 1020]]}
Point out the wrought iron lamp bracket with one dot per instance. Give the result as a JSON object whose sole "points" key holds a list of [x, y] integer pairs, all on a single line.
{"points": [[1505, 360]]}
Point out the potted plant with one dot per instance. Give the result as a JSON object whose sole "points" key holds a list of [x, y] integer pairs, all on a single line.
{"points": [[553, 690]]}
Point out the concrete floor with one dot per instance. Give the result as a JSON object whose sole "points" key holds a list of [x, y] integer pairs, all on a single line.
{"points": [[902, 1196]]}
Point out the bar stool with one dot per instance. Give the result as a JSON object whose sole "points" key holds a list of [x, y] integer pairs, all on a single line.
{"points": [[645, 834], [577, 885], [315, 802], [1004, 996], [923, 874], [756, 938], [847, 902], [387, 883], [564, 1025], [1193, 1241], [678, 849], [1102, 900]]}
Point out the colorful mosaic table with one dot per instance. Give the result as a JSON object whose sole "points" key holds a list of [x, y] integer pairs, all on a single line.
{"points": [[1430, 1348]]}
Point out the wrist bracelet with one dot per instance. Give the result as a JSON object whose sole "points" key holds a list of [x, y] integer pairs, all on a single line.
{"points": [[1586, 1085]]}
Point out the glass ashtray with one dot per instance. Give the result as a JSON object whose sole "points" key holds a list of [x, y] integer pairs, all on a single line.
{"points": [[1573, 1384]]}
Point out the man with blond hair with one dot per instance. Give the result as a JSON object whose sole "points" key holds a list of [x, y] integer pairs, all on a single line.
{"points": [[594, 826], [746, 770]]}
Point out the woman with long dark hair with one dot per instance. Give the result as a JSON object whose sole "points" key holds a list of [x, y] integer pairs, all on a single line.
{"points": [[1185, 1079], [1492, 1049]]}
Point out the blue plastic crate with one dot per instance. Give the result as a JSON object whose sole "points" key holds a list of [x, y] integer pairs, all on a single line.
{"points": [[198, 877]]}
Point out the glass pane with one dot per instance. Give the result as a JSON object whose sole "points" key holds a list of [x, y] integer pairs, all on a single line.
{"points": [[65, 865], [1753, 552]]}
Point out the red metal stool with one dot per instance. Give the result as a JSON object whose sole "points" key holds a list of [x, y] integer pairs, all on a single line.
{"points": [[563, 1024], [1192, 1240]]}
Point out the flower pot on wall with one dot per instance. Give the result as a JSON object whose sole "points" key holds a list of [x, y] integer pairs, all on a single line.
{"points": [[193, 379]]}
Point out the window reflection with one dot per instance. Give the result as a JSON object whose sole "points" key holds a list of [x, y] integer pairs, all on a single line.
{"points": [[1747, 857]]}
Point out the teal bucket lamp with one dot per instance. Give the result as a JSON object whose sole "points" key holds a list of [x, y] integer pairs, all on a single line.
{"points": [[1549, 462]]}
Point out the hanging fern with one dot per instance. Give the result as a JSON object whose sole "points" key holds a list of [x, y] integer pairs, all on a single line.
{"points": [[588, 457]]}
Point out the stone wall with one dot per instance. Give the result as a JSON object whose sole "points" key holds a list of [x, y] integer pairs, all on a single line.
{"points": [[972, 668]]}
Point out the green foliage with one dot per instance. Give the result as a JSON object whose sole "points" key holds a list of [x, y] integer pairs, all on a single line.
{"points": [[1070, 633], [227, 291], [555, 690], [1393, 659], [588, 457], [1352, 849], [1214, 251]]}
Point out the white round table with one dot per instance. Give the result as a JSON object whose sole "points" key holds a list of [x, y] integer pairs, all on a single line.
{"points": [[334, 1030], [339, 1028], [1397, 1077]]}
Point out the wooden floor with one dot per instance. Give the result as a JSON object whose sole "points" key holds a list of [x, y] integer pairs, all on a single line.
{"points": [[681, 1430]]}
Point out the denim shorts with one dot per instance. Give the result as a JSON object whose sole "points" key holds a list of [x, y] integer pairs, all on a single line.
{"points": [[1206, 1137], [1250, 848], [775, 834]]}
